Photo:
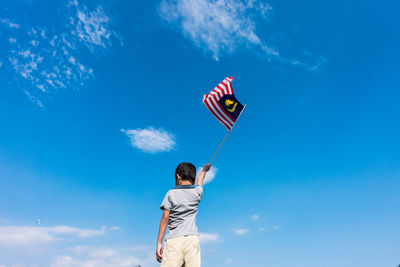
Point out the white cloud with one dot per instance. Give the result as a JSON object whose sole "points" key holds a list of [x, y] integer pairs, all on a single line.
{"points": [[228, 260], [9, 23], [92, 27], [241, 231], [263, 229], [46, 70], [46, 62], [316, 65], [86, 256], [218, 26], [115, 228], [207, 238], [310, 62], [33, 99], [29, 235], [210, 174], [151, 140], [59, 246], [255, 217], [222, 27]]}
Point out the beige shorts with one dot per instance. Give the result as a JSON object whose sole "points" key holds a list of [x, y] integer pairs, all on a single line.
{"points": [[182, 251]]}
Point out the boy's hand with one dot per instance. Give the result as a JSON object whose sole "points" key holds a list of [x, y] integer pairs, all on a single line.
{"points": [[206, 167], [200, 179], [159, 252], [161, 232]]}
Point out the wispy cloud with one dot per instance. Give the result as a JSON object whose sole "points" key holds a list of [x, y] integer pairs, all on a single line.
{"points": [[29, 235], [225, 26], [46, 61], [241, 231], [254, 217], [263, 229], [9, 23], [310, 62], [42, 64], [210, 174], [33, 99], [207, 238], [218, 26], [151, 140], [92, 27]]}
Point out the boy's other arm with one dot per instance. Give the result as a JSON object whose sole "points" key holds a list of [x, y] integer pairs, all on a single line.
{"points": [[161, 232], [200, 179]]}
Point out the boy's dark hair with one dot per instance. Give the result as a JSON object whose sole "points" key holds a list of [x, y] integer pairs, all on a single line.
{"points": [[187, 171]]}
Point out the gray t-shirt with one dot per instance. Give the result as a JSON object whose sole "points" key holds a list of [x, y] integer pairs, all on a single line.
{"points": [[182, 203]]}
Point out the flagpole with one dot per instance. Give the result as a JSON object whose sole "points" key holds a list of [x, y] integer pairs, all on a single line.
{"points": [[227, 135]]}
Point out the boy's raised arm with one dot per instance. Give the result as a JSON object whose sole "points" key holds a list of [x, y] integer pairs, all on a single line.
{"points": [[200, 179]]}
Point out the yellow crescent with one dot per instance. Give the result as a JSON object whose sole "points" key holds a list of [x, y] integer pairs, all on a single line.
{"points": [[232, 109]]}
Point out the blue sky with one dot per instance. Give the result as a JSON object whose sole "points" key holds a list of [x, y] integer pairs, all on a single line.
{"points": [[100, 101]]}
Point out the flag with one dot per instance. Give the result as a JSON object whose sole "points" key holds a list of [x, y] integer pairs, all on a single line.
{"points": [[223, 104]]}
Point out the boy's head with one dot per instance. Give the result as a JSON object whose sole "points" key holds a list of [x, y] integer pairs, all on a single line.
{"points": [[186, 172]]}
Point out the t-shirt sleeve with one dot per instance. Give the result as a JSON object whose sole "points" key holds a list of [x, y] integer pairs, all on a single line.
{"points": [[199, 192], [166, 204]]}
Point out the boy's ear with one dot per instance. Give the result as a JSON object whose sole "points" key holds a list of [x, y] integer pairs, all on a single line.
{"points": [[177, 179]]}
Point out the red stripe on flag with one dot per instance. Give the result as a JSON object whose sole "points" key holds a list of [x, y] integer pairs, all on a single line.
{"points": [[217, 109], [223, 89], [226, 113], [217, 93], [229, 86], [220, 110], [208, 105]]}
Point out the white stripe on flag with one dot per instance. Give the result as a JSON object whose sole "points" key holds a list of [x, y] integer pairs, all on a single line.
{"points": [[217, 111], [229, 86], [223, 89], [216, 115], [217, 106], [218, 92]]}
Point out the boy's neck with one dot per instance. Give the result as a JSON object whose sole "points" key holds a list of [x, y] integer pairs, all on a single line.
{"points": [[185, 183]]}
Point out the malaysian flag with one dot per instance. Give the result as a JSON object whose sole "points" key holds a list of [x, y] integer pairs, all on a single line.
{"points": [[223, 104]]}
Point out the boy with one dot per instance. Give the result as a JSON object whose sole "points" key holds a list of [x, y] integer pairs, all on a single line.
{"points": [[182, 244]]}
